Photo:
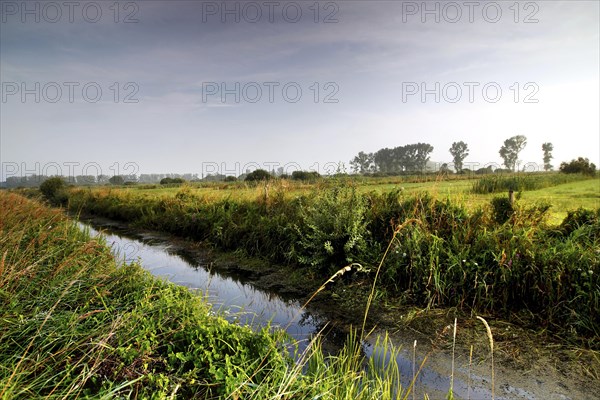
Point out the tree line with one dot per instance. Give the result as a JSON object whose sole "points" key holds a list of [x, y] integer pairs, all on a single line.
{"points": [[414, 157], [409, 158]]}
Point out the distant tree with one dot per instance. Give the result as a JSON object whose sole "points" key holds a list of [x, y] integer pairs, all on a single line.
{"points": [[511, 149], [414, 157], [547, 148], [363, 163], [230, 178], [305, 175], [116, 180], [485, 170], [385, 160], [459, 151], [409, 158], [85, 179], [258, 175], [169, 181], [579, 166]]}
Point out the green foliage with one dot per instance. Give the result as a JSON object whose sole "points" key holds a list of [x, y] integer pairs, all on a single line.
{"points": [[547, 148], [363, 163], [459, 151], [77, 325], [502, 209], [230, 179], [448, 255], [171, 181], [409, 158], [521, 182], [53, 189], [258, 175], [511, 149], [116, 180], [578, 218], [331, 231], [94, 326], [305, 175], [579, 166]]}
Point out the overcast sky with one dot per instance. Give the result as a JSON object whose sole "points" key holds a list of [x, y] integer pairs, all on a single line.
{"points": [[184, 86]]}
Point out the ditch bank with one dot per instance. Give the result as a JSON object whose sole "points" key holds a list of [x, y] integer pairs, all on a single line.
{"points": [[251, 291]]}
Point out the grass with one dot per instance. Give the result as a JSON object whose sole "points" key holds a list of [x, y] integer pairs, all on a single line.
{"points": [[468, 251], [75, 324], [523, 181], [564, 192]]}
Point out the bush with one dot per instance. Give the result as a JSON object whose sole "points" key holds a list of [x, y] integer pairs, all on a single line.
{"points": [[230, 179], [576, 219], [305, 175], [169, 181], [116, 180], [52, 189], [579, 166], [258, 175], [332, 231]]}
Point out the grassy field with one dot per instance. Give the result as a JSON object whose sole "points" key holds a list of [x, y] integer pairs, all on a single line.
{"points": [[536, 261], [582, 192], [75, 324]]}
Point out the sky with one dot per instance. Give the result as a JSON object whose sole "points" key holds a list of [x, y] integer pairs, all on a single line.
{"points": [[203, 87]]}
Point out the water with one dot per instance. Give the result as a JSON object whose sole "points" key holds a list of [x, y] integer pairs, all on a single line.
{"points": [[242, 303], [236, 301]]}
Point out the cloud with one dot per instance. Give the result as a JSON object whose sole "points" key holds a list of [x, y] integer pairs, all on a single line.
{"points": [[369, 53]]}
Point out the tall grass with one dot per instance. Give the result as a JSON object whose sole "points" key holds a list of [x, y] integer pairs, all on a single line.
{"points": [[521, 181], [77, 324], [516, 264]]}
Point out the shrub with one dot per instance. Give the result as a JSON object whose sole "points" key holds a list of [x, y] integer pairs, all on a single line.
{"points": [[116, 180], [578, 218], [332, 230], [52, 188], [305, 175], [169, 181], [230, 179], [579, 166], [258, 175]]}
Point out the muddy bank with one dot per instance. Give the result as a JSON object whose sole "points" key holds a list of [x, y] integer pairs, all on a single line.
{"points": [[527, 366]]}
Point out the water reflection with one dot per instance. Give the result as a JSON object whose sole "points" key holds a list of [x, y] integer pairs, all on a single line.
{"points": [[236, 301]]}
